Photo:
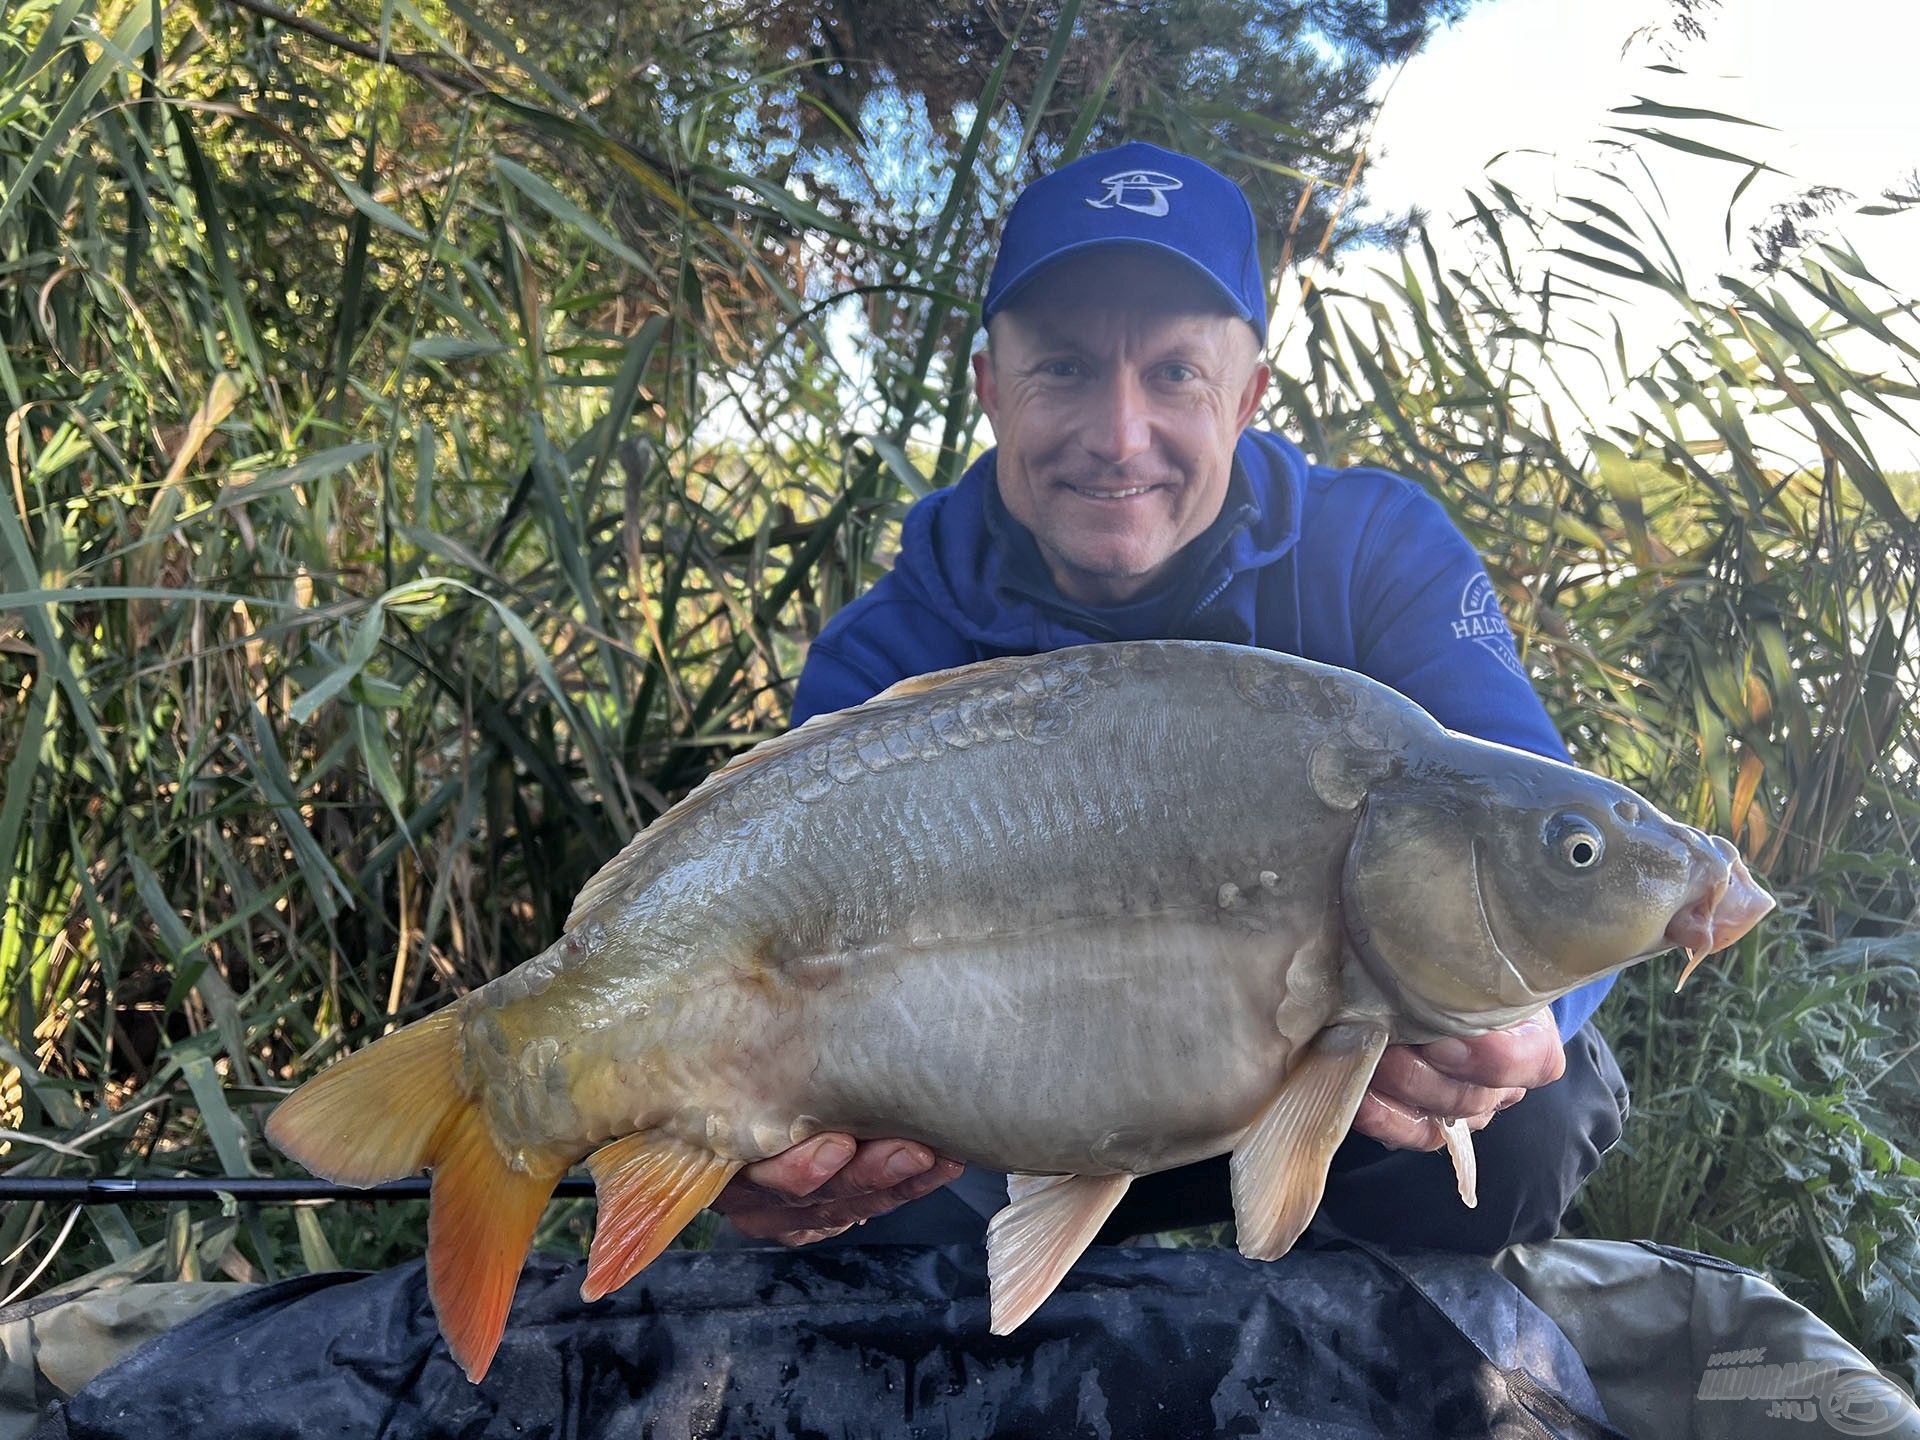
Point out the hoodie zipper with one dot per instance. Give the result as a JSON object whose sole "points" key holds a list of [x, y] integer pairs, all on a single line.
{"points": [[1212, 595]]}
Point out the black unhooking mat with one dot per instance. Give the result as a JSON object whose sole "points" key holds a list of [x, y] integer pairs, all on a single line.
{"points": [[875, 1342]]}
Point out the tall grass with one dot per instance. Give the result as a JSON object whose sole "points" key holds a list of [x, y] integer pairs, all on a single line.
{"points": [[391, 534], [1733, 634], [416, 483]]}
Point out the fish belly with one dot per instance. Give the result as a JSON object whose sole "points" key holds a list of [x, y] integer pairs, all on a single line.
{"points": [[1089, 1048]]}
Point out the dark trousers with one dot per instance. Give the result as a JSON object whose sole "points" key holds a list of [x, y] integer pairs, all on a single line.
{"points": [[1532, 1158]]}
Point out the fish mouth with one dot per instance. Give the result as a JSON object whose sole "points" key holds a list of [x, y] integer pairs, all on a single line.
{"points": [[1726, 904]]}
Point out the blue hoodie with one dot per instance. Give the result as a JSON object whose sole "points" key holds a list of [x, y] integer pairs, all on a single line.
{"points": [[1357, 568]]}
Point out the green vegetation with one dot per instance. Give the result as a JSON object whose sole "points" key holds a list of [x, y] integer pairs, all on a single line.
{"points": [[426, 455], [1736, 638]]}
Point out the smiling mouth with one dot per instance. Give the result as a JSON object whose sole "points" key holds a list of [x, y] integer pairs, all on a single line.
{"points": [[1092, 492]]}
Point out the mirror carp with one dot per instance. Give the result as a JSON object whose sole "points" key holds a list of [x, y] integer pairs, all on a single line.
{"points": [[1079, 916]]}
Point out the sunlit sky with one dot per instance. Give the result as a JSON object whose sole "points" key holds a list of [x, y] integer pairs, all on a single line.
{"points": [[1835, 82]]}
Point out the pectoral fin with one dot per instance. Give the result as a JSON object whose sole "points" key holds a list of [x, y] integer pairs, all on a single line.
{"points": [[1034, 1241], [1279, 1167], [1465, 1171]]}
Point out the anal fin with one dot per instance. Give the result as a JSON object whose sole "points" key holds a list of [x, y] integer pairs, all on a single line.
{"points": [[1034, 1241], [649, 1187], [1279, 1168]]}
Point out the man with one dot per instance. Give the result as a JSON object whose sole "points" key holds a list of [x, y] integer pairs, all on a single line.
{"points": [[1126, 499]]}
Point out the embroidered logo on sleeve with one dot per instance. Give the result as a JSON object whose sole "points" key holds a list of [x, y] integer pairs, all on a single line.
{"points": [[1142, 191], [1482, 621]]}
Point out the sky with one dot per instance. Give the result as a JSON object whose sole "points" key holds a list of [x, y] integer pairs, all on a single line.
{"points": [[1541, 75], [1836, 81]]}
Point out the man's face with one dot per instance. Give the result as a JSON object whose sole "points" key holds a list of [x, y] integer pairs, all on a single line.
{"points": [[1116, 389]]}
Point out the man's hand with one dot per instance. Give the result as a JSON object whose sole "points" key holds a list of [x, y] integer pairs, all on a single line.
{"points": [[828, 1184], [1470, 1080]]}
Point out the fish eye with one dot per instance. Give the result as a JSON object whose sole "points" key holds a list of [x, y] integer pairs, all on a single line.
{"points": [[1575, 841]]}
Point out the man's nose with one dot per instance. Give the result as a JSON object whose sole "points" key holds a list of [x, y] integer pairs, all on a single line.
{"points": [[1119, 426]]}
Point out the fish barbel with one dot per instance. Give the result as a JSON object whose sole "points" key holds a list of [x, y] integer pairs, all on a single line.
{"points": [[1079, 916]]}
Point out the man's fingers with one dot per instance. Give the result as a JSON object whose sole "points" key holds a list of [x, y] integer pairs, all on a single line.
{"points": [[1405, 1077], [856, 1208], [806, 1237], [1399, 1128], [877, 1166], [1395, 1126], [1526, 1055], [792, 1174], [1415, 1087], [828, 1183], [810, 1220]]}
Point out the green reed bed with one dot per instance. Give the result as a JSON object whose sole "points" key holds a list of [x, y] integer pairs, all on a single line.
{"points": [[427, 453]]}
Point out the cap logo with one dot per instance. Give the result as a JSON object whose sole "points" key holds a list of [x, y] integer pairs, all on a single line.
{"points": [[1142, 191]]}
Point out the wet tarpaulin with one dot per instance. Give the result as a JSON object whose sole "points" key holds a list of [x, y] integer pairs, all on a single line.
{"points": [[882, 1341]]}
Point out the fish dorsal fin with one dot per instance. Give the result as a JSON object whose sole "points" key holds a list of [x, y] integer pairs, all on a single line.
{"points": [[613, 877], [608, 878], [1034, 1241], [649, 1187], [935, 679], [1279, 1168]]}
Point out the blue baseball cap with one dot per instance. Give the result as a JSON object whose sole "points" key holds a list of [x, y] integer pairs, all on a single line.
{"points": [[1138, 197]]}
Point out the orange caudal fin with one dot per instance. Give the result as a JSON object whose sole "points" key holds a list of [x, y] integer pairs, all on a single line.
{"points": [[479, 1228], [649, 1187], [373, 1116], [396, 1106]]}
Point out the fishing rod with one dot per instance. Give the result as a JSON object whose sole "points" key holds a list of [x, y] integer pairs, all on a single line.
{"points": [[255, 1189]]}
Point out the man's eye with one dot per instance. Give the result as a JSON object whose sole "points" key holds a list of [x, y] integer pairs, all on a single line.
{"points": [[1179, 373], [1061, 369]]}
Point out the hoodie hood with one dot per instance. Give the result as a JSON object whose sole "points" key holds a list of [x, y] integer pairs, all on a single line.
{"points": [[963, 555]]}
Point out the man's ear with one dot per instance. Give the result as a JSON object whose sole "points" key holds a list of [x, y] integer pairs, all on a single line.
{"points": [[986, 385], [1256, 386]]}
